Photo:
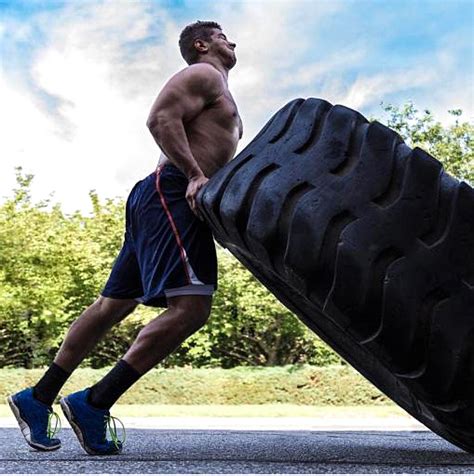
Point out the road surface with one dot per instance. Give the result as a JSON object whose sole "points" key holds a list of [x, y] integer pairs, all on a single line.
{"points": [[240, 446]]}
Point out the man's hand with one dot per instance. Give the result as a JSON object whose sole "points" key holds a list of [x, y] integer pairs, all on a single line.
{"points": [[194, 185]]}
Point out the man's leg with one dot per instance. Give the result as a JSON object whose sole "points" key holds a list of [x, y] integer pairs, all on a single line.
{"points": [[32, 407], [161, 336], [88, 409], [81, 338], [90, 327]]}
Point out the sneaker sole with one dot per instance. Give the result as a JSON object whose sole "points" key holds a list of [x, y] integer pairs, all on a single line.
{"points": [[68, 413], [25, 429], [75, 426]]}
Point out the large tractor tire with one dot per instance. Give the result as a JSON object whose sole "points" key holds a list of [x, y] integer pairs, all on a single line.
{"points": [[369, 243]]}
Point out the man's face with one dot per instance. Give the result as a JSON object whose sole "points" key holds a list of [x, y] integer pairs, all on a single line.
{"points": [[223, 48]]}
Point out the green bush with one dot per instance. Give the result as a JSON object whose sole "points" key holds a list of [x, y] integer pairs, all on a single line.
{"points": [[295, 384], [53, 266]]}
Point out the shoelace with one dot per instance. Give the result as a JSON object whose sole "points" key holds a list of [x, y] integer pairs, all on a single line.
{"points": [[110, 423], [50, 432]]}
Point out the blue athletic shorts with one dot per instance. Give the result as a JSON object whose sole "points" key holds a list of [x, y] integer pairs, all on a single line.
{"points": [[167, 250]]}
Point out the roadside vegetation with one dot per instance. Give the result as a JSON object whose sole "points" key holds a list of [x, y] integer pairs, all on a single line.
{"points": [[53, 265], [290, 385]]}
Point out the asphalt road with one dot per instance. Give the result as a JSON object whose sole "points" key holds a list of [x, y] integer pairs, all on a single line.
{"points": [[244, 451]]}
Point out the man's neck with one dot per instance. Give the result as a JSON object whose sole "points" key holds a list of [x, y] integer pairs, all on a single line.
{"points": [[218, 65]]}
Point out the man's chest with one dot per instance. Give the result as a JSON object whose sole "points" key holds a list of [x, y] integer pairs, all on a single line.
{"points": [[225, 110]]}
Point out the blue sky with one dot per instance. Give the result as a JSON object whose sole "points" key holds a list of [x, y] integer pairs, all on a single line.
{"points": [[77, 78]]}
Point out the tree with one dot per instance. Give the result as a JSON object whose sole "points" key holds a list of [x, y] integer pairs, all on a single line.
{"points": [[53, 265], [32, 276], [452, 145]]}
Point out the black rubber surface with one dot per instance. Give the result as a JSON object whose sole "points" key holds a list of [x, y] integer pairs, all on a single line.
{"points": [[370, 243]]}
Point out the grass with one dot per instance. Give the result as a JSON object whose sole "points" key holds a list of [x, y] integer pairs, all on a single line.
{"points": [[246, 392], [248, 411], [255, 411]]}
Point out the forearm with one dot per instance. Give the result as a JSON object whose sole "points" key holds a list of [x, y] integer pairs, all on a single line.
{"points": [[170, 135]]}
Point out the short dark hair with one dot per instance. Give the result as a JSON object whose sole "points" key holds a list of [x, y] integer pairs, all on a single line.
{"points": [[200, 30]]}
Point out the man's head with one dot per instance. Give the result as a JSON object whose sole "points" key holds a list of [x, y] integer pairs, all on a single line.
{"points": [[205, 38]]}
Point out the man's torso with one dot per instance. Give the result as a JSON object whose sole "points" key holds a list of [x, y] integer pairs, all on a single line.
{"points": [[214, 134]]}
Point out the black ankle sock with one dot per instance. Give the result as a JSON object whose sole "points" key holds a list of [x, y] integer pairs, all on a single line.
{"points": [[108, 390], [47, 389]]}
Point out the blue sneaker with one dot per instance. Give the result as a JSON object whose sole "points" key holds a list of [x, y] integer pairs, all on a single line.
{"points": [[90, 424], [34, 418]]}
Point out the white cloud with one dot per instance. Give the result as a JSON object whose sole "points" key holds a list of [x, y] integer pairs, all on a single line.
{"points": [[26, 133], [272, 37], [96, 137], [437, 82], [367, 90], [100, 66], [91, 133], [307, 75]]}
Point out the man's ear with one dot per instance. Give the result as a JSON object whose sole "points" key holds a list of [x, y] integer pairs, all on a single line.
{"points": [[201, 46]]}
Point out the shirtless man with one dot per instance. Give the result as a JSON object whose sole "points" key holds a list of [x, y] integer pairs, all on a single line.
{"points": [[168, 258]]}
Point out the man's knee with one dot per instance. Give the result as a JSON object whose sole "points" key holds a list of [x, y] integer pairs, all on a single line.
{"points": [[109, 310], [193, 310]]}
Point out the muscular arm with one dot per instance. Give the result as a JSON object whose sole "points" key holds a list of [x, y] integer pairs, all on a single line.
{"points": [[180, 101]]}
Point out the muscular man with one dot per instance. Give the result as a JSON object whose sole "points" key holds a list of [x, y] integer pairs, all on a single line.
{"points": [[168, 258]]}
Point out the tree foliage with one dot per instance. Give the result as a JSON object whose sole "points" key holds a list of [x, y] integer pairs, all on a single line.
{"points": [[452, 145], [53, 265]]}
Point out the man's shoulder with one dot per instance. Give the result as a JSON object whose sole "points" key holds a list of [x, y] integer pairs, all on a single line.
{"points": [[201, 77], [201, 72]]}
